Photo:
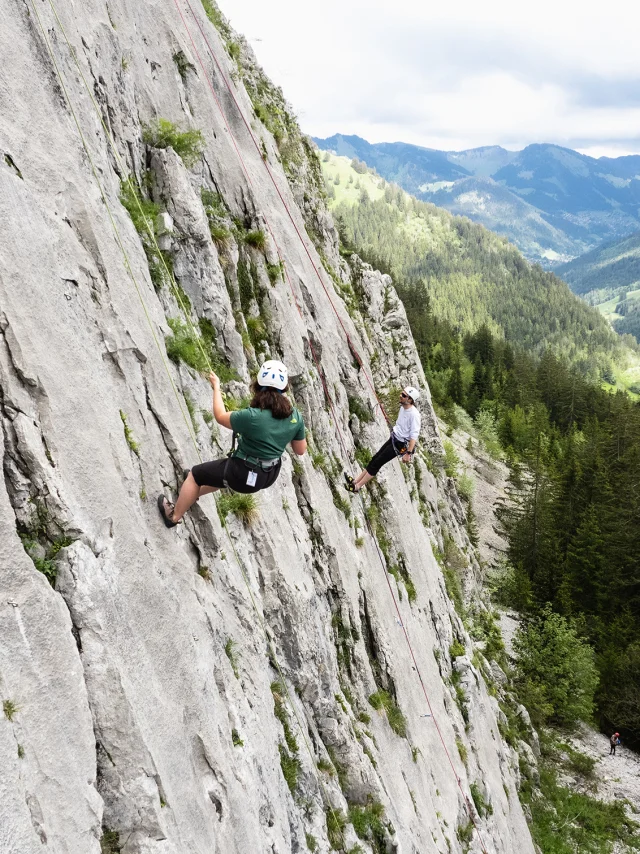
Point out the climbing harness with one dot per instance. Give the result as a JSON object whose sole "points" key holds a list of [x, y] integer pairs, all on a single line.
{"points": [[400, 450]]}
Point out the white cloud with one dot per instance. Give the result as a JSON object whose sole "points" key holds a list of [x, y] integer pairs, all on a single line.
{"points": [[455, 75]]}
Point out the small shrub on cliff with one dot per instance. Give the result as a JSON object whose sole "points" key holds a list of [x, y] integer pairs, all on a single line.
{"points": [[215, 16], [483, 807], [290, 765], [275, 272], [360, 409], [216, 213], [364, 456], [451, 459], [369, 825], [466, 485], [35, 537], [188, 144], [198, 352], [462, 750], [182, 64], [183, 346], [456, 649]]}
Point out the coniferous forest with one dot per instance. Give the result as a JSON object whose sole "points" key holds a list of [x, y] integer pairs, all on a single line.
{"points": [[475, 277], [526, 373]]}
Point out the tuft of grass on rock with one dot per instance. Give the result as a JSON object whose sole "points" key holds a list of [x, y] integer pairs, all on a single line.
{"points": [[244, 506], [128, 435], [290, 765], [483, 807], [182, 64], [382, 700], [204, 572], [230, 652], [10, 709], [256, 238], [336, 823], [462, 750], [110, 842]]}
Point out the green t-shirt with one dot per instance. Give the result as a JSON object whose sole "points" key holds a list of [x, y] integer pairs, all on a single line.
{"points": [[263, 436]]}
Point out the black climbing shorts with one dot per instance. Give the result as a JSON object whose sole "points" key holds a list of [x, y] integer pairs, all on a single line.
{"points": [[235, 471], [382, 457]]}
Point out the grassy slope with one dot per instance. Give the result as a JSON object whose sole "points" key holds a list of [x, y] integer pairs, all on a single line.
{"points": [[434, 229]]}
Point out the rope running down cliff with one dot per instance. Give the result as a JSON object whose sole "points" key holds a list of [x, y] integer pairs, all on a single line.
{"points": [[276, 187], [129, 269], [351, 346], [180, 301]]}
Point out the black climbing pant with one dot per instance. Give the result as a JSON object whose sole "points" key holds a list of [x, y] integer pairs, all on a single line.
{"points": [[382, 457]]}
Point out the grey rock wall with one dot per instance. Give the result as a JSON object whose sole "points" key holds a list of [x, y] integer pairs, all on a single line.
{"points": [[142, 708]]}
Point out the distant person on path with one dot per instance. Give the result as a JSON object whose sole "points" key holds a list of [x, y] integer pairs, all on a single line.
{"points": [[264, 429], [614, 741], [401, 443]]}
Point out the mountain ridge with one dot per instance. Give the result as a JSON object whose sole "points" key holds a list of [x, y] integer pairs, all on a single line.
{"points": [[582, 201]]}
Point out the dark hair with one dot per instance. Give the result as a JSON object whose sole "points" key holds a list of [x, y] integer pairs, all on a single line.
{"points": [[271, 398]]}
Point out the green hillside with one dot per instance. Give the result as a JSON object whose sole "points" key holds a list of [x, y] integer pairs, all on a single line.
{"points": [[472, 276], [609, 278], [611, 266]]}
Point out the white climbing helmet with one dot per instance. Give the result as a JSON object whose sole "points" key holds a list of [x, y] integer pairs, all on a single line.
{"points": [[412, 391], [273, 374]]}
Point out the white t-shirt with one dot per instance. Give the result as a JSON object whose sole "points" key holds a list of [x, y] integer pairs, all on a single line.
{"points": [[408, 424]]}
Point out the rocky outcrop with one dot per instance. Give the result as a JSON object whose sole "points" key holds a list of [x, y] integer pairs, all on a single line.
{"points": [[238, 688]]}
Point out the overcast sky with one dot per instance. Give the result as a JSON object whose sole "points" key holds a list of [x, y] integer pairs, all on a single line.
{"points": [[455, 75]]}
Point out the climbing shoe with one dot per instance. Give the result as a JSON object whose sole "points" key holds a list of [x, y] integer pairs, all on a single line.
{"points": [[166, 510], [349, 483]]}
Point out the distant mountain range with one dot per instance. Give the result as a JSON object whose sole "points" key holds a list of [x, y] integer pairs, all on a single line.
{"points": [[553, 203]]}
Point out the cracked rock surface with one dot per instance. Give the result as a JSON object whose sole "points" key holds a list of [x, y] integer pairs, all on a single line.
{"points": [[143, 710]]}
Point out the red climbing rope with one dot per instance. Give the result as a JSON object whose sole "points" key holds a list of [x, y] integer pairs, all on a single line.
{"points": [[278, 191], [267, 223], [314, 355]]}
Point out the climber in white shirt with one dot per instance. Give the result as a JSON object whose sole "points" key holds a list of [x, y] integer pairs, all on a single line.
{"points": [[401, 443]]}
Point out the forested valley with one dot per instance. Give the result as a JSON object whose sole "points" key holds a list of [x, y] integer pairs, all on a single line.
{"points": [[509, 345]]}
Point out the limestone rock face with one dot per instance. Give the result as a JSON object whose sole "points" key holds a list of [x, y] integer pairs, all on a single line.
{"points": [[207, 688]]}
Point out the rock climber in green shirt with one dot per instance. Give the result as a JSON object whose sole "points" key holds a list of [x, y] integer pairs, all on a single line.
{"points": [[263, 431]]}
